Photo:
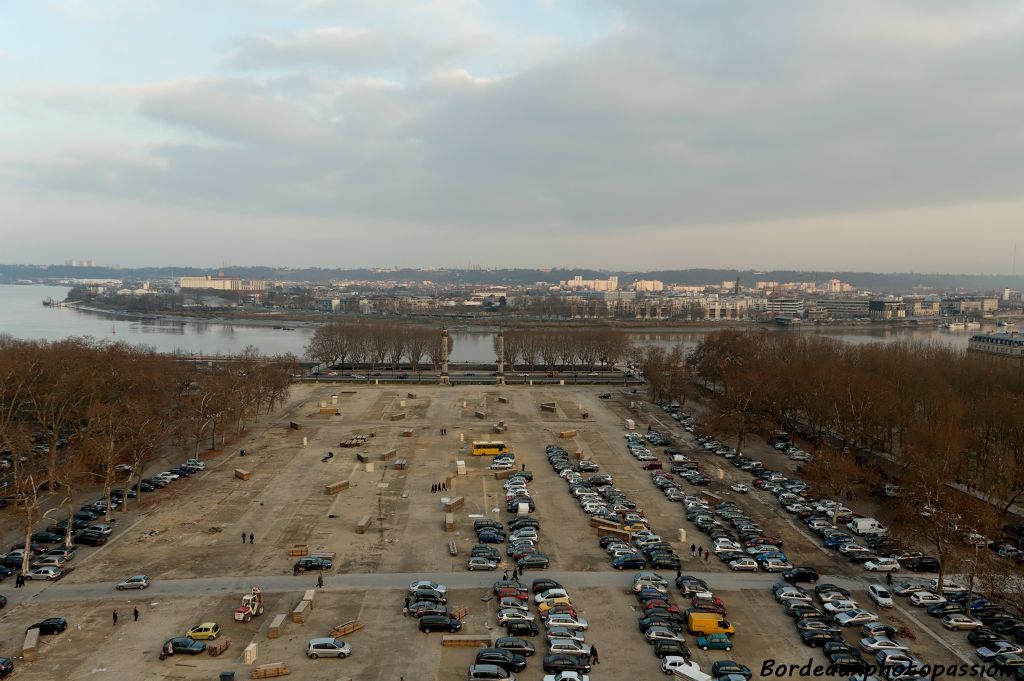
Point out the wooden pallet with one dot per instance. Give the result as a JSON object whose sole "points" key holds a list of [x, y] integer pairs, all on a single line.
{"points": [[336, 487], [460, 613], [298, 550], [269, 671], [363, 525], [452, 548], [274, 630], [466, 640], [346, 628], [215, 648]]}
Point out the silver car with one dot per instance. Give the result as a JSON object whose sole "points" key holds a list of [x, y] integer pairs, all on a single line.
{"points": [[134, 582], [328, 647]]}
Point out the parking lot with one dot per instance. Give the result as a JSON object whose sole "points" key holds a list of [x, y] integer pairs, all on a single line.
{"points": [[188, 542]]}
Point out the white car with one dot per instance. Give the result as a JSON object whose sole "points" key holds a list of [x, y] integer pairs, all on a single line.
{"points": [[566, 676], [195, 463], [880, 595], [50, 561], [838, 606], [855, 617], [564, 632], [502, 465], [882, 565], [833, 596], [873, 644], [514, 604], [658, 633], [947, 585], [922, 599], [990, 650], [550, 593], [958, 621], [123, 468], [673, 664], [48, 573], [743, 564], [740, 489]]}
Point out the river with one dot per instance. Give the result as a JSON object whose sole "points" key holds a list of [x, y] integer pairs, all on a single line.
{"points": [[23, 315]]}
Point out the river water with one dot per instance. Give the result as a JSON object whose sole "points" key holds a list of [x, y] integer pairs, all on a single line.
{"points": [[23, 315]]}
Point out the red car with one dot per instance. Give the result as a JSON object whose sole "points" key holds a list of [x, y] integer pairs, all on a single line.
{"points": [[707, 605], [653, 465], [511, 592], [657, 603], [559, 609]]}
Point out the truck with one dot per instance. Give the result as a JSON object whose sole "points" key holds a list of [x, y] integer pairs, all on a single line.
{"points": [[252, 606], [866, 526], [681, 669], [703, 623]]}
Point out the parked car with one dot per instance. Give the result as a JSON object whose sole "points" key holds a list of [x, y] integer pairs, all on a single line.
{"points": [[801, 574], [181, 645], [48, 573], [880, 595], [554, 664], [327, 647], [308, 563], [50, 626], [430, 623], [515, 645], [714, 642], [133, 582]]}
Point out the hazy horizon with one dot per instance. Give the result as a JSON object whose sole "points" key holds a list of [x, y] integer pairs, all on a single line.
{"points": [[626, 135]]}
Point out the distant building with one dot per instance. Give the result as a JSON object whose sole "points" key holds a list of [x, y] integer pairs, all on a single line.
{"points": [[970, 305], [767, 286], [730, 307], [648, 285], [1003, 344], [923, 307], [792, 308], [838, 308], [327, 304], [882, 310], [251, 286], [578, 282]]}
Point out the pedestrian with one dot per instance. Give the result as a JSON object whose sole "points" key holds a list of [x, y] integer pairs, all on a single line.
{"points": [[433, 488], [505, 576], [524, 468], [693, 550], [135, 613], [320, 579], [243, 537], [888, 578], [679, 572], [115, 618], [444, 487], [295, 570], [593, 654], [251, 538], [707, 556]]}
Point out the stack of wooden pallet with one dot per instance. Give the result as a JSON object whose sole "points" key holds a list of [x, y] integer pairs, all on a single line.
{"points": [[269, 671]]}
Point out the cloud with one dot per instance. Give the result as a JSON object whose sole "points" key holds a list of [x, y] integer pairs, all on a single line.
{"points": [[683, 116]]}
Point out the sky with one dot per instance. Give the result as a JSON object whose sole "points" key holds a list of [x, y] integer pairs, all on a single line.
{"points": [[881, 135]]}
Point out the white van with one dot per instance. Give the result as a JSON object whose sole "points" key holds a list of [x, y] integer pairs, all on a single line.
{"points": [[866, 526], [681, 669]]}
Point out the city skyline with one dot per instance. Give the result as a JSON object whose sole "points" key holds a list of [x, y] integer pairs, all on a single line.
{"points": [[611, 135]]}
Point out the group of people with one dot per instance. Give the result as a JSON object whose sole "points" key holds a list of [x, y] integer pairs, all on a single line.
{"points": [[442, 431], [438, 487], [699, 552], [252, 537], [19, 581], [135, 615]]}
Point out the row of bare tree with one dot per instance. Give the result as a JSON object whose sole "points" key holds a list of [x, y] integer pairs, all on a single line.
{"points": [[921, 416], [73, 411], [564, 348], [377, 344]]}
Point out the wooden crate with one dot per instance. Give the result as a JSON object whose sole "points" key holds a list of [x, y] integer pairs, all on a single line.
{"points": [[548, 406], [400, 464], [449, 522], [363, 525], [480, 414], [453, 549], [501, 475], [503, 400], [294, 425], [308, 596], [298, 550], [568, 434], [300, 612], [215, 648], [242, 474], [389, 455], [274, 630], [346, 628], [466, 640], [407, 432], [397, 417], [336, 487], [269, 671], [615, 532], [460, 613], [455, 504], [250, 652]]}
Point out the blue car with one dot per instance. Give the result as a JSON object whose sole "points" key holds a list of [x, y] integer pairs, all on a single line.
{"points": [[633, 562], [779, 555], [490, 538], [714, 642], [837, 540]]}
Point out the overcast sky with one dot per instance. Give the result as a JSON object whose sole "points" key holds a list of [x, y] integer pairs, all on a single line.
{"points": [[620, 134]]}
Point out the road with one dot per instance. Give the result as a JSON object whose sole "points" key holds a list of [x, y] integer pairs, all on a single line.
{"points": [[58, 591]]}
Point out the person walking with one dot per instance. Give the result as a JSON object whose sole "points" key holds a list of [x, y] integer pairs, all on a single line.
{"points": [[243, 536], [252, 538], [888, 578], [444, 487], [593, 654], [115, 618], [320, 580], [505, 576], [679, 572], [707, 556], [135, 614], [693, 550]]}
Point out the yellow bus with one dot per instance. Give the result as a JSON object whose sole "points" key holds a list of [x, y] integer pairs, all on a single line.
{"points": [[489, 448]]}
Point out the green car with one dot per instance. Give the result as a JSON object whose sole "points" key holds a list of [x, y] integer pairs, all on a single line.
{"points": [[714, 642]]}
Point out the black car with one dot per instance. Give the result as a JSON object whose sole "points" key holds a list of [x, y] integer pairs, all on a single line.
{"points": [[89, 538], [645, 623], [840, 647], [567, 663], [665, 560], [430, 623], [61, 527], [982, 635], [50, 626], [308, 563], [486, 552], [522, 628], [47, 538], [920, 564], [501, 657], [534, 560], [155, 482], [6, 572], [689, 585], [428, 595], [801, 574], [943, 609], [181, 645], [817, 638], [424, 608], [6, 666], [544, 584], [663, 649], [515, 645], [508, 584], [729, 668], [523, 521], [847, 664]]}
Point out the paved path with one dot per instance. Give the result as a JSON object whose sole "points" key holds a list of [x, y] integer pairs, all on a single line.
{"points": [[59, 591]]}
